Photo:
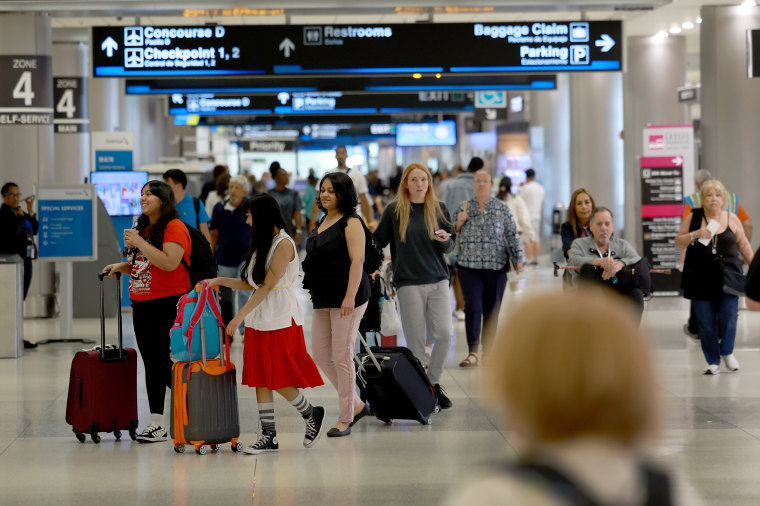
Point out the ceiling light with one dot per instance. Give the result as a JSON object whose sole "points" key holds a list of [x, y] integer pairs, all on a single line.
{"points": [[662, 34], [749, 3], [675, 29], [687, 25], [417, 75], [699, 21]]}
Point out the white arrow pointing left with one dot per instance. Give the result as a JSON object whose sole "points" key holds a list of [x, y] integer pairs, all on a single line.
{"points": [[606, 43], [109, 46], [287, 46]]}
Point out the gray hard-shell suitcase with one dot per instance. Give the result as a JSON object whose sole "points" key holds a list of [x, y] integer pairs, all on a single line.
{"points": [[204, 402]]}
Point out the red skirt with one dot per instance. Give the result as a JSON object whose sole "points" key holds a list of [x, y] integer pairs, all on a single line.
{"points": [[277, 359]]}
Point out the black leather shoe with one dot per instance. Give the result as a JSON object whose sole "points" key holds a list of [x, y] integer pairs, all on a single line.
{"points": [[364, 412], [29, 345], [333, 432]]}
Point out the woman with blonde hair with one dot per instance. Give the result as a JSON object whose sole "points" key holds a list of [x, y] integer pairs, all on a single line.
{"points": [[712, 236], [419, 230], [580, 397]]}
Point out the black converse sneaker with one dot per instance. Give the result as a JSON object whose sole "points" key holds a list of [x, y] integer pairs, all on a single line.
{"points": [[443, 400], [314, 426], [151, 434], [267, 443]]}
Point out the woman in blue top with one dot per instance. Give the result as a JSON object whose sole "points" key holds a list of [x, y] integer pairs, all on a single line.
{"points": [[488, 240]]}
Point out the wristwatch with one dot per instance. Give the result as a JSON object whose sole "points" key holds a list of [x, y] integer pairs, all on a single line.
{"points": [[691, 236]]}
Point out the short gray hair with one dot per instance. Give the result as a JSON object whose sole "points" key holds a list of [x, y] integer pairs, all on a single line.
{"points": [[601, 209], [701, 176], [242, 181]]}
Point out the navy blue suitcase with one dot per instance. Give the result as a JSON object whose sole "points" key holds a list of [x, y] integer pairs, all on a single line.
{"points": [[395, 384]]}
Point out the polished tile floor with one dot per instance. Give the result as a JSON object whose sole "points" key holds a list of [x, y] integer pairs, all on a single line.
{"points": [[711, 433]]}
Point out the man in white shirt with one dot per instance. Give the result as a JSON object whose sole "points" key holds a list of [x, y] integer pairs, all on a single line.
{"points": [[533, 195], [360, 183]]}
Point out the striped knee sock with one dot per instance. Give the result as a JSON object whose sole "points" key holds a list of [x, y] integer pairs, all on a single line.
{"points": [[302, 405], [266, 416]]}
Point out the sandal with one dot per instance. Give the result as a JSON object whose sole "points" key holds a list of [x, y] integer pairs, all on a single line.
{"points": [[468, 362]]}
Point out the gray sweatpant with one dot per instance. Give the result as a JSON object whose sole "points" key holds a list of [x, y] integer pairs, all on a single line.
{"points": [[420, 305]]}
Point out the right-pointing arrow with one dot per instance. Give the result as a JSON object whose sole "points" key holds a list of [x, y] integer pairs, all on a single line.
{"points": [[606, 43]]}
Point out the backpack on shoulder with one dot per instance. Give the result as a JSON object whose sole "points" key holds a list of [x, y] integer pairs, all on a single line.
{"points": [[202, 259]]}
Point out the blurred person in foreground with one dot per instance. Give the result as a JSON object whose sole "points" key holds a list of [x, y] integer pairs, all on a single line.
{"points": [[580, 398]]}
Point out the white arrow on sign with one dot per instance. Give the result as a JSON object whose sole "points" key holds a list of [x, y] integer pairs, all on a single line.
{"points": [[606, 43], [287, 46], [677, 160], [109, 46], [177, 99]]}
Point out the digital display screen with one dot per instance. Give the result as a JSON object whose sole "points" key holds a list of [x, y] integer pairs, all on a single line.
{"points": [[120, 191], [443, 133]]}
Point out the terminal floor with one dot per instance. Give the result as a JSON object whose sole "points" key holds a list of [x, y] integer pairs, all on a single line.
{"points": [[711, 433]]}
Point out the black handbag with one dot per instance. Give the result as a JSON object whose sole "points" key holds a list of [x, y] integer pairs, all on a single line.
{"points": [[733, 276], [631, 276]]}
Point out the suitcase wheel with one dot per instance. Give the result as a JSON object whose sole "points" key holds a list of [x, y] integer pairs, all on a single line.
{"points": [[95, 438], [387, 422], [133, 434], [216, 447], [201, 450], [428, 421], [117, 434], [179, 448], [437, 409], [237, 446], [81, 437]]}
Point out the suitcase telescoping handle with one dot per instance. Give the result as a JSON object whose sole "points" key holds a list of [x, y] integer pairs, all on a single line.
{"points": [[103, 354], [369, 353]]}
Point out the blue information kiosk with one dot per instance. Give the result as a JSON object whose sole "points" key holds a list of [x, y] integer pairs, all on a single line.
{"points": [[67, 233]]}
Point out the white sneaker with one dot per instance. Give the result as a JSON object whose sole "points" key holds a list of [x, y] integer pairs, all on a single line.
{"points": [[712, 369], [731, 362], [151, 434], [459, 315]]}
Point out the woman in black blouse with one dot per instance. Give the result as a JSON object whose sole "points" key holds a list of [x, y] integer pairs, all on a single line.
{"points": [[578, 218], [334, 274]]}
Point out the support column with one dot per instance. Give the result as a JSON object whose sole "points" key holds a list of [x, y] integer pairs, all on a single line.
{"points": [[730, 103], [550, 111], [72, 132], [655, 70], [596, 121], [26, 124]]}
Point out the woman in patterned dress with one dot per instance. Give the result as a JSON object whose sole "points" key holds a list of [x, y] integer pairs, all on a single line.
{"points": [[488, 242]]}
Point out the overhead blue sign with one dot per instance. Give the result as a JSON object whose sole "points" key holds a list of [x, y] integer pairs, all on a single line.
{"points": [[67, 223], [113, 160]]}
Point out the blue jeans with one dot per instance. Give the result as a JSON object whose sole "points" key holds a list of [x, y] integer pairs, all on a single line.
{"points": [[717, 326], [240, 296]]}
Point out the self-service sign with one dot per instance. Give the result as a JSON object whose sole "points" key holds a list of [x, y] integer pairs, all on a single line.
{"points": [[26, 90], [67, 223], [537, 46]]}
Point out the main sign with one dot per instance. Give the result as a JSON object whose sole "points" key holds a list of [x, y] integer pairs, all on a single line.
{"points": [[293, 50], [334, 102]]}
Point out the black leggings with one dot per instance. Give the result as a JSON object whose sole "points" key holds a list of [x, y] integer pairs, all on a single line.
{"points": [[152, 320]]}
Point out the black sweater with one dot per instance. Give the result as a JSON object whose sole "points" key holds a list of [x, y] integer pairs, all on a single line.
{"points": [[420, 260]]}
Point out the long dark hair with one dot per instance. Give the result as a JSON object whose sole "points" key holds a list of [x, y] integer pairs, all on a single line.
{"points": [[168, 213], [266, 215], [572, 217], [505, 188], [345, 192]]}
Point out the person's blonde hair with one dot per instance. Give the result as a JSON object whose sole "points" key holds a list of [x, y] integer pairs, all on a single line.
{"points": [[433, 211], [584, 371], [713, 184]]}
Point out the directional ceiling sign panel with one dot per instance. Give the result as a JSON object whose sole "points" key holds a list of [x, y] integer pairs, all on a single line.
{"points": [[299, 50]]}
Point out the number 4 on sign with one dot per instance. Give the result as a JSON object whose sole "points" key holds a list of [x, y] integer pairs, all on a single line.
{"points": [[23, 89], [66, 104]]}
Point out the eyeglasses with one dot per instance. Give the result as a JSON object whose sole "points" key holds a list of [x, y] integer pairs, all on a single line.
{"points": [[18, 195]]}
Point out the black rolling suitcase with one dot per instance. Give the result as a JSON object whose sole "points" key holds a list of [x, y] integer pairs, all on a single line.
{"points": [[395, 384]]}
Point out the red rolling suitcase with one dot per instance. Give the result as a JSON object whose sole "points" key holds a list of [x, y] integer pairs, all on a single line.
{"points": [[103, 385]]}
